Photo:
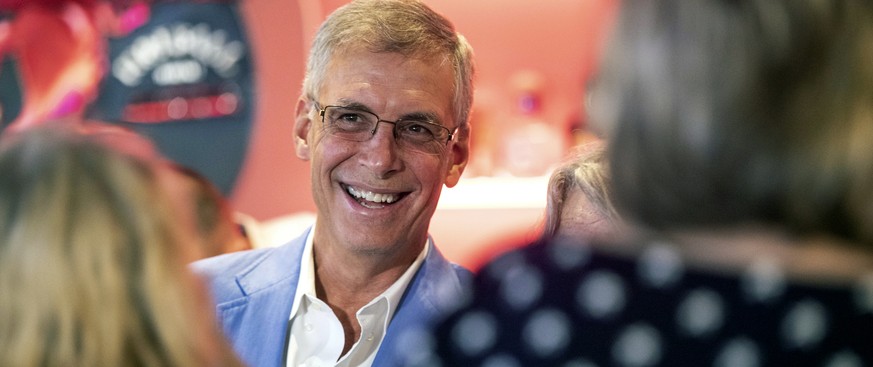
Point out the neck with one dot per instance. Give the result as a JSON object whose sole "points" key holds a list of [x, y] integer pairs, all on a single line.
{"points": [[347, 279], [345, 276], [814, 259]]}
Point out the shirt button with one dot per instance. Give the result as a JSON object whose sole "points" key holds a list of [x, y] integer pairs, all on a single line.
{"points": [[308, 327], [370, 337]]}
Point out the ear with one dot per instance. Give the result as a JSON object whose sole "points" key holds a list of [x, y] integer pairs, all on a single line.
{"points": [[459, 155], [302, 124]]}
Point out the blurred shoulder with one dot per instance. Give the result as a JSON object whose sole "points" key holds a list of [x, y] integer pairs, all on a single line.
{"points": [[239, 273], [231, 264]]}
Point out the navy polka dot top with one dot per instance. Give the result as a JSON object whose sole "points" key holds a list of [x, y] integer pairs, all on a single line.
{"points": [[558, 304]]}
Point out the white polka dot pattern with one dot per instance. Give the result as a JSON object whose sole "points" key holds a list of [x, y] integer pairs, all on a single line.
{"points": [[764, 281], [660, 266], [638, 345], [567, 256], [700, 313], [521, 287], [804, 325], [556, 306], [547, 332], [601, 294], [475, 333], [844, 359], [503, 264], [864, 294], [740, 352], [501, 360]]}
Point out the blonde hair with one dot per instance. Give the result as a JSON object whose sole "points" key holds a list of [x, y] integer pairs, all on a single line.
{"points": [[90, 266]]}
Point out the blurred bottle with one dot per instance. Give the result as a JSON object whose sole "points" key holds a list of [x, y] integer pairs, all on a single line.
{"points": [[531, 146]]}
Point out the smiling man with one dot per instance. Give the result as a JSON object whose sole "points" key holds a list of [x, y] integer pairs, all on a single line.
{"points": [[383, 121]]}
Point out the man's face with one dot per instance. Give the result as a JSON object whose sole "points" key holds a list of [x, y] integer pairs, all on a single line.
{"points": [[376, 197]]}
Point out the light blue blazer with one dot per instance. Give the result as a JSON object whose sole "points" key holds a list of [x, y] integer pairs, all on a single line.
{"points": [[254, 290]]}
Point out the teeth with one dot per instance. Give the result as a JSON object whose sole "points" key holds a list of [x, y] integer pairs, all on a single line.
{"points": [[369, 196]]}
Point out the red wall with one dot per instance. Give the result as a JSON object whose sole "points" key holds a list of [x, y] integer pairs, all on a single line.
{"points": [[273, 181]]}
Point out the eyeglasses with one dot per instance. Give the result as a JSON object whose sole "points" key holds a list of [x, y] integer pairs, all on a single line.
{"points": [[415, 134]]}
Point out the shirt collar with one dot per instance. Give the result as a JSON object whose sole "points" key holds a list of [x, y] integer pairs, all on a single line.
{"points": [[306, 281]]}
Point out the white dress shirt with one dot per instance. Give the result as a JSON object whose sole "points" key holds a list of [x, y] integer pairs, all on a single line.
{"points": [[317, 338]]}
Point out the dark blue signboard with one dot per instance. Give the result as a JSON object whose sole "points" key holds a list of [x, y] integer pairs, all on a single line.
{"points": [[185, 80]]}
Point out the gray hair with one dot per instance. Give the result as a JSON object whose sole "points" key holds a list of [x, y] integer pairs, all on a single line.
{"points": [[722, 113], [587, 171], [408, 27]]}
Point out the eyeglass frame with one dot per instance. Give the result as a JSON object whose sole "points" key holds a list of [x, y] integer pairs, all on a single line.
{"points": [[322, 110]]}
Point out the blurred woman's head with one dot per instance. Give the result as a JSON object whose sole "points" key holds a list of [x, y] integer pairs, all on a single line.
{"points": [[92, 262], [724, 113]]}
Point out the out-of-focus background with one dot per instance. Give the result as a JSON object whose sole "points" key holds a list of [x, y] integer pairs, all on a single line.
{"points": [[225, 76], [534, 60]]}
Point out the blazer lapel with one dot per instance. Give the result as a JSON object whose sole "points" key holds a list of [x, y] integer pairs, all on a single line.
{"points": [[437, 288], [257, 322]]}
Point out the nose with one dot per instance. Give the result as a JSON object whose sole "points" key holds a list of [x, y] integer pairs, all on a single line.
{"points": [[381, 153]]}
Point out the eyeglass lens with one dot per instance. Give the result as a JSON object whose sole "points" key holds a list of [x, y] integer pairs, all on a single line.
{"points": [[359, 125]]}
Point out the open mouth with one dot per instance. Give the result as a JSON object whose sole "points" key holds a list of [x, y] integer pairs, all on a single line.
{"points": [[373, 200]]}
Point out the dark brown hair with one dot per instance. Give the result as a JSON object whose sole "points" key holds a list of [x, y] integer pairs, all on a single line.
{"points": [[728, 112]]}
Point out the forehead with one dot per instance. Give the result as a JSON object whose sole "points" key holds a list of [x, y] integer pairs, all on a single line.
{"points": [[389, 82]]}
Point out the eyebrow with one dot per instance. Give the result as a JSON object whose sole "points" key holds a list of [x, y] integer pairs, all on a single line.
{"points": [[354, 105], [412, 116]]}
